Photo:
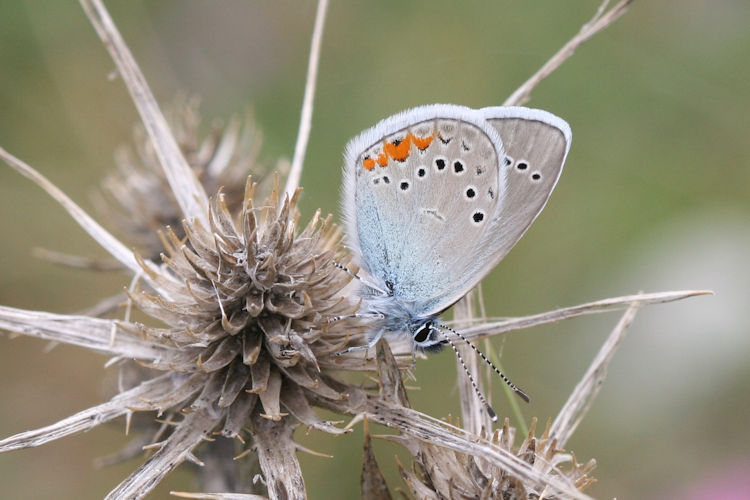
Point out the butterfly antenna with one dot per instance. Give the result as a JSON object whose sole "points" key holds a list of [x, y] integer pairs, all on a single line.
{"points": [[510, 384], [346, 270], [490, 411]]}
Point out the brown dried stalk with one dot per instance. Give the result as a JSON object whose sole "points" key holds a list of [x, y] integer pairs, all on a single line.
{"points": [[305, 120], [189, 193], [601, 20]]}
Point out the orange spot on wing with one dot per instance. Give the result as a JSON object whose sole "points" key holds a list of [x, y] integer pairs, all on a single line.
{"points": [[422, 143], [399, 151]]}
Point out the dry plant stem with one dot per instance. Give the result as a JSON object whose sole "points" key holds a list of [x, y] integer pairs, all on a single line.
{"points": [[372, 483], [387, 410], [599, 306], [86, 419], [599, 22], [494, 356], [188, 191], [81, 331], [103, 237], [75, 261], [389, 377], [426, 429], [220, 471], [107, 305], [512, 397], [175, 450], [583, 395], [305, 121], [429, 430], [400, 347], [217, 496], [277, 455], [474, 416], [119, 251]]}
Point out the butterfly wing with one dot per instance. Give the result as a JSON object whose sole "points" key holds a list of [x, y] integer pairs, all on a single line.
{"points": [[420, 190], [536, 144], [487, 175]]}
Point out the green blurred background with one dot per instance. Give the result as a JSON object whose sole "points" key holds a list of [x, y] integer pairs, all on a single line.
{"points": [[654, 197]]}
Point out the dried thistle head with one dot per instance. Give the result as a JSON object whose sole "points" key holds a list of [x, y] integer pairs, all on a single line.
{"points": [[246, 301], [246, 342], [136, 198], [247, 311], [442, 473]]}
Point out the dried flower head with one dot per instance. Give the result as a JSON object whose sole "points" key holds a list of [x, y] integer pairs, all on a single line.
{"points": [[441, 473], [247, 339], [248, 308], [136, 199]]}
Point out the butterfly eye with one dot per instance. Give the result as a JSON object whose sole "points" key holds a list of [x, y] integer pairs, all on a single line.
{"points": [[422, 334]]}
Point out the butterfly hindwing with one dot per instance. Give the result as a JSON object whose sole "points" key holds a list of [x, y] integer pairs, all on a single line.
{"points": [[536, 144]]}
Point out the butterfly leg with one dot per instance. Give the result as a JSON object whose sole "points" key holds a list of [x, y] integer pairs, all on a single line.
{"points": [[334, 319], [359, 278], [372, 342]]}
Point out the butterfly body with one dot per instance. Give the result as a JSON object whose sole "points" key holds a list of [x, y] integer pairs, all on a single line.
{"points": [[394, 316], [434, 197]]}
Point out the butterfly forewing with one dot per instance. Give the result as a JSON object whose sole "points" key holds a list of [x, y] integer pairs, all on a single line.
{"points": [[420, 195]]}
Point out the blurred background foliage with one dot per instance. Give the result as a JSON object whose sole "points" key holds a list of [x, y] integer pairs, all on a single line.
{"points": [[654, 197]]}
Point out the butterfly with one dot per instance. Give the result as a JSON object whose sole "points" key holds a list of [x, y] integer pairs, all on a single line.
{"points": [[433, 198]]}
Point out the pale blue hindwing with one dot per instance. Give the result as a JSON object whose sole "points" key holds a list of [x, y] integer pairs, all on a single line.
{"points": [[536, 145], [413, 224]]}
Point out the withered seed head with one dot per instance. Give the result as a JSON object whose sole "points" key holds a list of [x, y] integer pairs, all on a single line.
{"points": [[136, 198], [248, 307], [442, 473]]}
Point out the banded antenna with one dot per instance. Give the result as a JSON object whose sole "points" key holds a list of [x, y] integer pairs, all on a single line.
{"points": [[441, 329], [481, 397]]}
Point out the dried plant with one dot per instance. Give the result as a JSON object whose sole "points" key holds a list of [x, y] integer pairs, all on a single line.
{"points": [[135, 199], [243, 344]]}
